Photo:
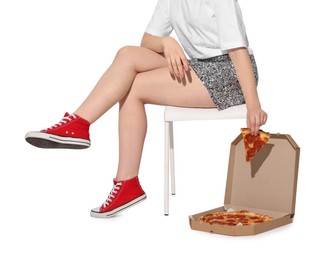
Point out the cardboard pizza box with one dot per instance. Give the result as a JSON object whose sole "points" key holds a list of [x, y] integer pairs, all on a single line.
{"points": [[265, 185]]}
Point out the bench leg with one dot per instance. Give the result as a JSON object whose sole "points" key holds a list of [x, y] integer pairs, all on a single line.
{"points": [[172, 159], [166, 166]]}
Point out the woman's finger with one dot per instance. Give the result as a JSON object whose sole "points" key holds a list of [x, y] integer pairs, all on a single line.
{"points": [[180, 68], [175, 67], [254, 129], [248, 124], [170, 67], [265, 118], [255, 121], [186, 65]]}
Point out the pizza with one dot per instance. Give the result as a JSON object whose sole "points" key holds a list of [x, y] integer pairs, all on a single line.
{"points": [[235, 218], [253, 143]]}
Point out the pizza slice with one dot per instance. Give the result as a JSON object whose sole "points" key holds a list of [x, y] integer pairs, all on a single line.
{"points": [[253, 143]]}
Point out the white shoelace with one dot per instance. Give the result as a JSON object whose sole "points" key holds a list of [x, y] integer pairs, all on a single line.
{"points": [[111, 196], [63, 121]]}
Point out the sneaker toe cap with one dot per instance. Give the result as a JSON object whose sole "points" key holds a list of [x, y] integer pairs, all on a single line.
{"points": [[96, 210]]}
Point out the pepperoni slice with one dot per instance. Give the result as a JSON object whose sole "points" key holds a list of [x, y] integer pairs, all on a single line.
{"points": [[258, 144], [250, 138], [251, 152]]}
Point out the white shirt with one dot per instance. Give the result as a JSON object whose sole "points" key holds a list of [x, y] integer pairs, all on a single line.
{"points": [[205, 28]]}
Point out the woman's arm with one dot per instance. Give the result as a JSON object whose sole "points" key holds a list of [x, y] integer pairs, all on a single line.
{"points": [[152, 42], [242, 63], [172, 51]]}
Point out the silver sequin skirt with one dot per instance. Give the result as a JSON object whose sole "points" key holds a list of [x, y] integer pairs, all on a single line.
{"points": [[219, 77]]}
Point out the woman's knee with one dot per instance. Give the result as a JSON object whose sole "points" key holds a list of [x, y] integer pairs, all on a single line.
{"points": [[127, 52], [131, 56], [124, 54]]}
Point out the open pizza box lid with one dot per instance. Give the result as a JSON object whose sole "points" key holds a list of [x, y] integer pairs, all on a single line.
{"points": [[265, 185]]}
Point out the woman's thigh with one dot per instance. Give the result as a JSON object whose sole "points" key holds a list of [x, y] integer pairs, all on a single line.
{"points": [[158, 87]]}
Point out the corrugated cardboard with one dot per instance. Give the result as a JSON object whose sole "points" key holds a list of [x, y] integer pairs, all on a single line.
{"points": [[265, 185]]}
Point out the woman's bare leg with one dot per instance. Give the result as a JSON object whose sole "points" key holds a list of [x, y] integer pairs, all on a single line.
{"points": [[152, 87], [117, 80], [139, 76], [136, 77]]}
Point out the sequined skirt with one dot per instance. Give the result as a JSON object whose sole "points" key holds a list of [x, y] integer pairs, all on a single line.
{"points": [[219, 77]]}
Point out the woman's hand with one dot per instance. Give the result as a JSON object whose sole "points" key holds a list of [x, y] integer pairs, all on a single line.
{"points": [[175, 56], [255, 119]]}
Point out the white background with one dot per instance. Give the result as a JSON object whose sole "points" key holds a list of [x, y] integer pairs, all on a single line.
{"points": [[51, 55]]}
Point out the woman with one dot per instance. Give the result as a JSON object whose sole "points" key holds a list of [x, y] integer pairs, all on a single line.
{"points": [[221, 73]]}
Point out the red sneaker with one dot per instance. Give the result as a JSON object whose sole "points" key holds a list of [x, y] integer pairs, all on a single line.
{"points": [[71, 132], [124, 194]]}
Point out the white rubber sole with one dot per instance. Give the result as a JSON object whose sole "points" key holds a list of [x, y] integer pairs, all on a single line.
{"points": [[96, 214], [45, 140]]}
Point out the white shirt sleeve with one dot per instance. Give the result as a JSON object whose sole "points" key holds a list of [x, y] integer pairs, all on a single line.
{"points": [[160, 24], [231, 29]]}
